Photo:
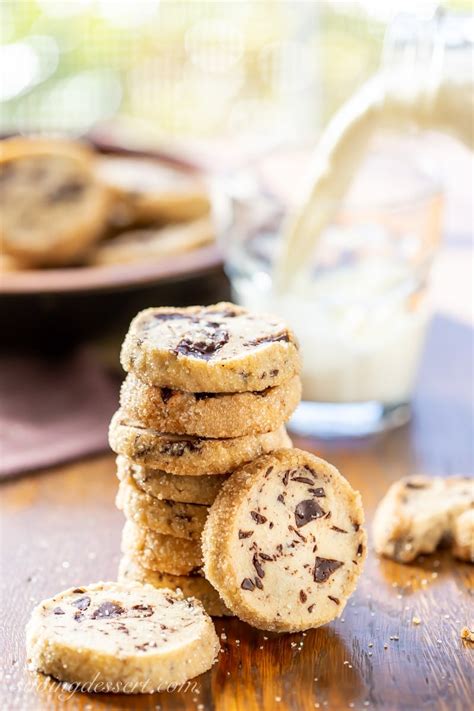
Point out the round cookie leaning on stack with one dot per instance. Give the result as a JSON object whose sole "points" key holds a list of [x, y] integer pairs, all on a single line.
{"points": [[284, 542], [208, 390]]}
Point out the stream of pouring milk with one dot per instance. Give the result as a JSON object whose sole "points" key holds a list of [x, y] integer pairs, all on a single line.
{"points": [[384, 102], [359, 342]]}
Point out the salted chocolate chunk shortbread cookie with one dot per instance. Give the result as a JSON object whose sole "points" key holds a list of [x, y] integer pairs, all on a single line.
{"points": [[172, 518], [161, 485], [220, 348], [284, 542], [463, 536], [189, 454], [121, 638], [151, 190], [52, 206], [157, 551], [209, 414], [153, 243], [10, 264], [417, 513], [190, 585]]}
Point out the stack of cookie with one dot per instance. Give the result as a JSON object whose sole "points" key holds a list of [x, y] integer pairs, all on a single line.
{"points": [[208, 389]]}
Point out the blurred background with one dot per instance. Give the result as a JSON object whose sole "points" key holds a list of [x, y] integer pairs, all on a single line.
{"points": [[230, 88], [197, 70], [186, 69]]}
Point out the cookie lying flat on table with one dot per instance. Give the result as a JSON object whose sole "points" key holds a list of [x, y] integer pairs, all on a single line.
{"points": [[187, 489], [283, 543], [190, 585], [417, 513], [209, 414], [157, 551], [150, 190], [121, 638], [188, 454], [172, 518], [220, 348], [53, 208], [153, 243]]}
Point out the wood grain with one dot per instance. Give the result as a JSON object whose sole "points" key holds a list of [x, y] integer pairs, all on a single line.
{"points": [[60, 528]]}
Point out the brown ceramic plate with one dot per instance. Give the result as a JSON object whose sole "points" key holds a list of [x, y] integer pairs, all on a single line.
{"points": [[121, 276], [109, 278]]}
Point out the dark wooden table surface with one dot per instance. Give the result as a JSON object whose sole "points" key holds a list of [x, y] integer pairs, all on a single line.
{"points": [[60, 528]]}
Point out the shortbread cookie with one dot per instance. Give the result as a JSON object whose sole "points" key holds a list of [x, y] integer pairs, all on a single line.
{"points": [[190, 585], [124, 638], [156, 551], [187, 454], [417, 513], [220, 348], [52, 206], [284, 543], [9, 263], [152, 190], [153, 243], [172, 518], [161, 485], [209, 414], [463, 536]]}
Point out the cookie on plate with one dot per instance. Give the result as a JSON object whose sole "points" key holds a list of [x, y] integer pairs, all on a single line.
{"points": [[152, 190], [172, 518], [157, 551], [209, 414], [190, 585], [284, 542], [219, 348], [153, 243], [188, 454], [53, 208], [121, 638], [417, 513], [187, 489]]}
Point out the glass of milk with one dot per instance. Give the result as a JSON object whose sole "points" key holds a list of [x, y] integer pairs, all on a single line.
{"points": [[359, 309]]}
